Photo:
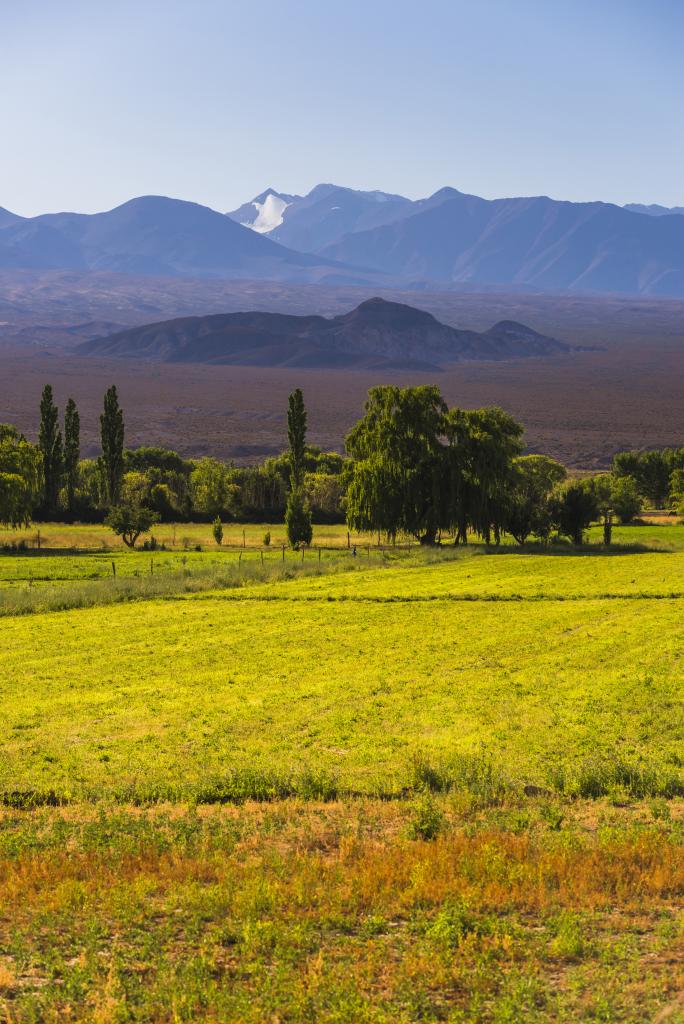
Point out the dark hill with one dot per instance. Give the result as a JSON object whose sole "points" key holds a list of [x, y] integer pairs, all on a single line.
{"points": [[377, 334]]}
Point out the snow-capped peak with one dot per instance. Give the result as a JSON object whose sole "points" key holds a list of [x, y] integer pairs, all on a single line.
{"points": [[269, 214]]}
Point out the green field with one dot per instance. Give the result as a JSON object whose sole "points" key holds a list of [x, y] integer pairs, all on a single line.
{"points": [[417, 786]]}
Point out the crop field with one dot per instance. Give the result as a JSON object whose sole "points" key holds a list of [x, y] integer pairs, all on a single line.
{"points": [[406, 786]]}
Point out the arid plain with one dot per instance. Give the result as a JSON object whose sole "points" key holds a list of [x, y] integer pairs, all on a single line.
{"points": [[623, 388]]}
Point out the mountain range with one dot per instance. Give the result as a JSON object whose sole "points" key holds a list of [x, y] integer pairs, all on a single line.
{"points": [[337, 235], [452, 238], [154, 235], [376, 335]]}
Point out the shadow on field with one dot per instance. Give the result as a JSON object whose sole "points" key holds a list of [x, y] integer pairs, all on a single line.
{"points": [[590, 550]]}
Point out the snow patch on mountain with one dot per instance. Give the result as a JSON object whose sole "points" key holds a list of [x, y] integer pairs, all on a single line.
{"points": [[269, 214]]}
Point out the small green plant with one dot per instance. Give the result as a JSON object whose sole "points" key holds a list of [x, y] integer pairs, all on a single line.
{"points": [[426, 821], [267, 539], [453, 922], [217, 530], [569, 941], [552, 815]]}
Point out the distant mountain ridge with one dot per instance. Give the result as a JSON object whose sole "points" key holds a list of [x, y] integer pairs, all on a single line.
{"points": [[335, 235], [452, 238], [654, 209], [376, 335], [155, 235]]}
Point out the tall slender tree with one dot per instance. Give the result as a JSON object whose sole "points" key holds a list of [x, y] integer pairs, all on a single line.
{"points": [[297, 512], [112, 437], [296, 436], [50, 444], [72, 451]]}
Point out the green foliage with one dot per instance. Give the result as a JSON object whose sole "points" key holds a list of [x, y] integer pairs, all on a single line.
{"points": [[651, 471], [324, 494], [397, 469], [298, 520], [111, 461], [419, 468], [528, 509], [296, 437], [625, 499], [20, 477], [129, 521], [427, 820], [164, 460], [267, 539], [575, 506], [213, 492], [72, 453], [217, 530], [50, 445]]}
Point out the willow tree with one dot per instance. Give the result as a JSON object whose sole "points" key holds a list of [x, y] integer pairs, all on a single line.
{"points": [[20, 477], [397, 451], [528, 507]]}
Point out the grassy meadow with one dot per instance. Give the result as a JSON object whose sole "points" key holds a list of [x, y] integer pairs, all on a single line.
{"points": [[407, 786]]}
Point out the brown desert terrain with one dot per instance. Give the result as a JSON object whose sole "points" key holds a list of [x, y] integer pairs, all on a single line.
{"points": [[626, 390]]}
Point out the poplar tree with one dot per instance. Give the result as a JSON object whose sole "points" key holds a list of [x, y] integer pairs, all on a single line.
{"points": [[72, 451], [296, 436], [50, 445], [112, 436], [297, 512]]}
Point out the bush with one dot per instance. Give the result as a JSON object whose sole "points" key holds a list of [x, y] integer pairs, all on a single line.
{"points": [[427, 821], [217, 530], [267, 538], [625, 499], [575, 507]]}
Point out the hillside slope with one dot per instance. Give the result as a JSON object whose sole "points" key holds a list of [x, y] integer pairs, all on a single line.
{"points": [[155, 235], [375, 334]]}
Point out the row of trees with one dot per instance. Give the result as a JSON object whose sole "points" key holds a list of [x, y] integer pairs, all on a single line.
{"points": [[657, 475], [413, 466], [47, 479], [420, 468]]}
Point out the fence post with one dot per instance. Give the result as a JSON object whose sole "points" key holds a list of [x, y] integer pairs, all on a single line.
{"points": [[283, 552], [302, 554], [113, 568], [262, 557], [244, 542], [151, 566], [348, 540], [319, 556]]}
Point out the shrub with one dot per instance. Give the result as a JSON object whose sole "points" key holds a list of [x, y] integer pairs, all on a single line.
{"points": [[625, 498], [427, 821], [217, 530]]}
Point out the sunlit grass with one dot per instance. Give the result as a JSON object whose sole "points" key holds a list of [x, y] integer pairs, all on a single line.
{"points": [[335, 914]]}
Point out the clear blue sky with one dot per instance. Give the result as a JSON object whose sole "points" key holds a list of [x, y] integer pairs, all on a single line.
{"points": [[214, 100]]}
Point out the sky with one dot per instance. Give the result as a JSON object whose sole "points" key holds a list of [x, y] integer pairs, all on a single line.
{"points": [[216, 100]]}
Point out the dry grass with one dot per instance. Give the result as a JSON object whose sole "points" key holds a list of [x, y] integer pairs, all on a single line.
{"points": [[331, 913]]}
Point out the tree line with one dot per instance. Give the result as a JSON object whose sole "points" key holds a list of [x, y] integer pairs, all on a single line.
{"points": [[413, 466]]}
